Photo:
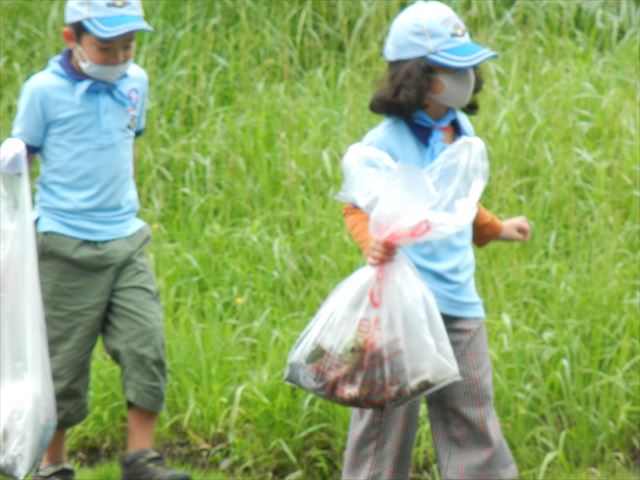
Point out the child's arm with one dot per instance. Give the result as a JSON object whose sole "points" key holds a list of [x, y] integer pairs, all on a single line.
{"points": [[516, 229], [486, 227], [357, 221], [30, 123]]}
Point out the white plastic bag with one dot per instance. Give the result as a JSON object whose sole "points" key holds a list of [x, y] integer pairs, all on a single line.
{"points": [[27, 401], [446, 192], [379, 339]]}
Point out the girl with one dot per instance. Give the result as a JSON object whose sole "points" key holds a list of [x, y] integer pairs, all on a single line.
{"points": [[432, 75]]}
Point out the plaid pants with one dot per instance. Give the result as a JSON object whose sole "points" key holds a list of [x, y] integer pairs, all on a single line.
{"points": [[465, 428]]}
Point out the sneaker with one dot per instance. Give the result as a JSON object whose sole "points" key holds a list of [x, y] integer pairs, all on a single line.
{"points": [[148, 464], [57, 471]]}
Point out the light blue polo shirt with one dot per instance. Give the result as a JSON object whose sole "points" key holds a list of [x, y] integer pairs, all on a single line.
{"points": [[446, 265], [84, 132]]}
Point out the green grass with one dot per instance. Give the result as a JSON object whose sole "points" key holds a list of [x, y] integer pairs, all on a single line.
{"points": [[253, 104]]}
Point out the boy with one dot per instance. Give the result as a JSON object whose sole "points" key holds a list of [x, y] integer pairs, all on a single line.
{"points": [[81, 115]]}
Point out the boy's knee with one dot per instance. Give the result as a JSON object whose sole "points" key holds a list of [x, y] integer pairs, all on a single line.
{"points": [[144, 373], [72, 405]]}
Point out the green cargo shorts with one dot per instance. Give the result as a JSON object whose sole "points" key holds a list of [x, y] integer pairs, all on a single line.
{"points": [[101, 288]]}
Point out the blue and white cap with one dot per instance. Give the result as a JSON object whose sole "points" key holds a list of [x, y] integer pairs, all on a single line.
{"points": [[106, 19], [434, 31]]}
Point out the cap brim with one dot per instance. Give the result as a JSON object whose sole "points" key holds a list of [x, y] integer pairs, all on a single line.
{"points": [[463, 56], [107, 28]]}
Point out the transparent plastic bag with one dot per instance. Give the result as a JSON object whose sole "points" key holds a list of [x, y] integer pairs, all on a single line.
{"points": [[379, 339], [27, 402], [366, 171], [446, 192]]}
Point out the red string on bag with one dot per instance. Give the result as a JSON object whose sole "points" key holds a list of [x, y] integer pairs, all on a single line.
{"points": [[375, 292], [418, 230]]}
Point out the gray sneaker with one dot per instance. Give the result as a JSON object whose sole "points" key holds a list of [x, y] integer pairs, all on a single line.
{"points": [[148, 464], [58, 471]]}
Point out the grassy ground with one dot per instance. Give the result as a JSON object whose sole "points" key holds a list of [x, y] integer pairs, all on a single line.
{"points": [[253, 104]]}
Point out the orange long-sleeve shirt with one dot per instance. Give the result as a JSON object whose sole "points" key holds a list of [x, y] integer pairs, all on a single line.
{"points": [[486, 226]]}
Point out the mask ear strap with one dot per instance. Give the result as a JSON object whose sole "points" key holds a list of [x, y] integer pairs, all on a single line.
{"points": [[79, 51]]}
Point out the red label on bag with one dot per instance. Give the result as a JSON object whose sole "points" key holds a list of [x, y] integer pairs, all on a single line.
{"points": [[375, 292]]}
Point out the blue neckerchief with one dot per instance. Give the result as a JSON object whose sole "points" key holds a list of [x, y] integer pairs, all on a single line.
{"points": [[422, 125], [429, 131], [87, 82]]}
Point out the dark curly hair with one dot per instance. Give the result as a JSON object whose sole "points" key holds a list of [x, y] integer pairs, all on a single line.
{"points": [[406, 86]]}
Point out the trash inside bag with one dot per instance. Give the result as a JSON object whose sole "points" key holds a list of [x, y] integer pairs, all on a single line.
{"points": [[27, 402], [379, 339]]}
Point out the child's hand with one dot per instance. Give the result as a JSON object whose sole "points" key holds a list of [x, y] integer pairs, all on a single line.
{"points": [[515, 229], [380, 252]]}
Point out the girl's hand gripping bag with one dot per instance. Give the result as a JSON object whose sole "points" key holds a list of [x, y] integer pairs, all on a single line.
{"points": [[379, 340], [27, 402]]}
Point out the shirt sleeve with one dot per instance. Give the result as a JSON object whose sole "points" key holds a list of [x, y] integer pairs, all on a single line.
{"points": [[486, 227], [30, 122], [142, 116], [357, 222]]}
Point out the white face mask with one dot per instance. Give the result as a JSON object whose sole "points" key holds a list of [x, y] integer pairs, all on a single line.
{"points": [[104, 73], [458, 88]]}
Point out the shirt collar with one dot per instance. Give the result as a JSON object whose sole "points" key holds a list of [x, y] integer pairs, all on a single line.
{"points": [[85, 83], [422, 118], [71, 71], [422, 125]]}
